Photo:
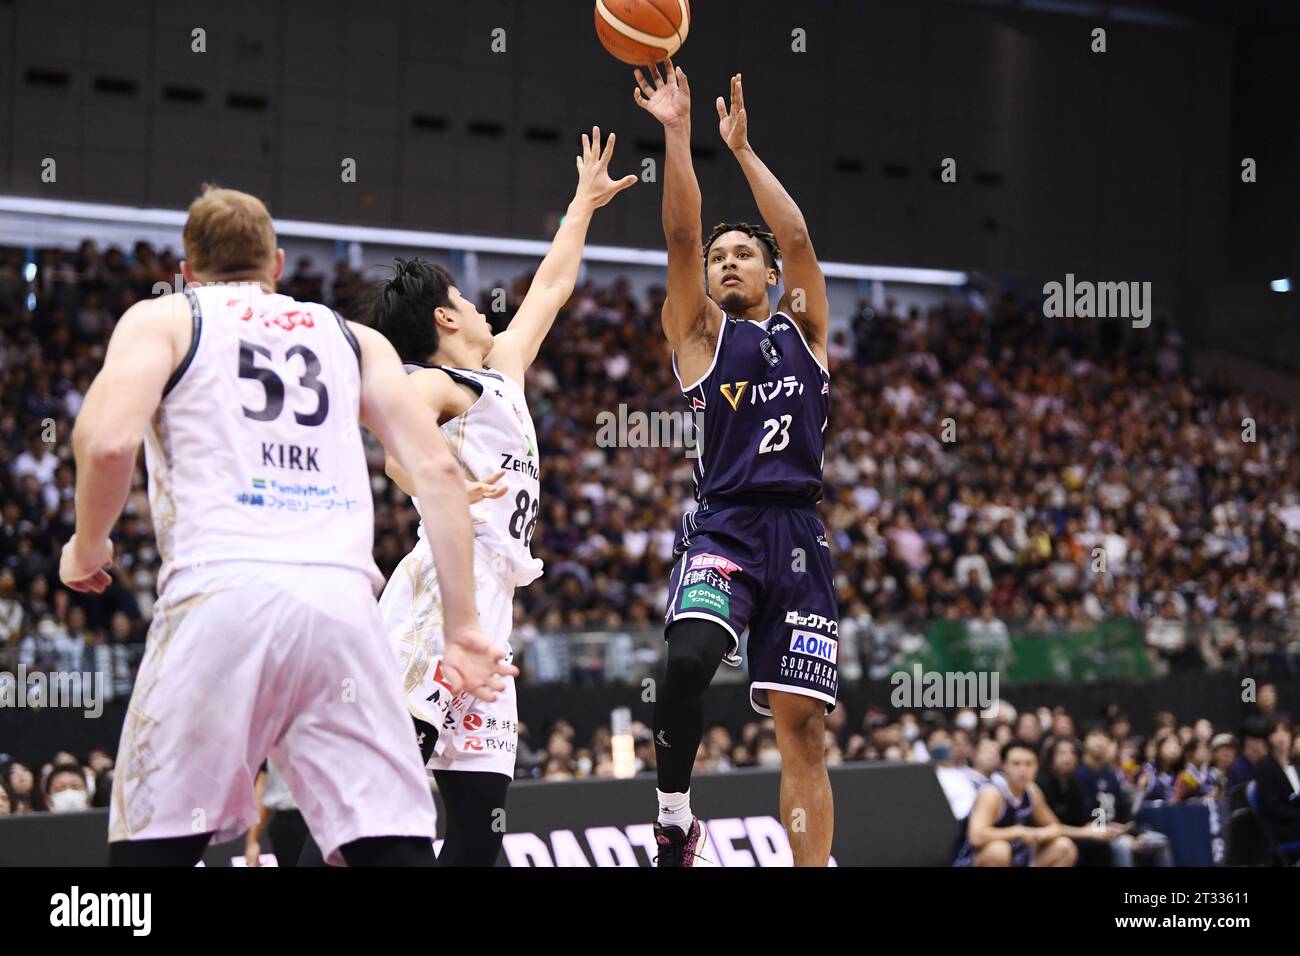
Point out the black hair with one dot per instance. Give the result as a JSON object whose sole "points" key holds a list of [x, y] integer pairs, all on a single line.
{"points": [[401, 307], [1017, 744], [1254, 726], [771, 251], [60, 769], [938, 728]]}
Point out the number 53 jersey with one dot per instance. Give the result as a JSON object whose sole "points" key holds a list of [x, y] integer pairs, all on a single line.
{"points": [[494, 434], [255, 452]]}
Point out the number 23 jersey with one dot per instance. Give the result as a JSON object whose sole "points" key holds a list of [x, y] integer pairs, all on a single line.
{"points": [[494, 434], [764, 402]]}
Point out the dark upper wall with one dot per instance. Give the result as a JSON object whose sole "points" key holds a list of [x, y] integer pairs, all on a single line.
{"points": [[1114, 166]]}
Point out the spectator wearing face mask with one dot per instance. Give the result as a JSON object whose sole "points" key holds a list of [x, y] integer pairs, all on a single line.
{"points": [[958, 785], [767, 755], [65, 789]]}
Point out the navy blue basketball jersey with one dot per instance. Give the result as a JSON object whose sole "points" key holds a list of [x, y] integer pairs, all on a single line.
{"points": [[1015, 813], [765, 402]]}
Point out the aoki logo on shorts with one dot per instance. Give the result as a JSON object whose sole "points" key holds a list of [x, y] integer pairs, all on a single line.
{"points": [[814, 645]]}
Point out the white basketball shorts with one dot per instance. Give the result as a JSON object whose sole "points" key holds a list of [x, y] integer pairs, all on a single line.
{"points": [[247, 660], [472, 734]]}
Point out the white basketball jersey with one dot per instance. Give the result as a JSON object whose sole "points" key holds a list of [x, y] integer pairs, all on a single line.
{"points": [[255, 452], [496, 433]]}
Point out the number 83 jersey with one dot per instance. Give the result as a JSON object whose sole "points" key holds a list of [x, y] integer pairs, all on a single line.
{"points": [[255, 451], [494, 434]]}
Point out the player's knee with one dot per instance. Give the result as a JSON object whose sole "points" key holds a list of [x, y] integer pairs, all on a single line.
{"points": [[995, 853], [801, 728], [1063, 851], [695, 650], [686, 673]]}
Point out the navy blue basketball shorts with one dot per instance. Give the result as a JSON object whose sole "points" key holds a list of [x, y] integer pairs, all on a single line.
{"points": [[767, 568]]}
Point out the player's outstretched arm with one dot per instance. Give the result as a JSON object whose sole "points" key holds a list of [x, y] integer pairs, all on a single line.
{"points": [[407, 427], [805, 286], [688, 313], [514, 349], [142, 354]]}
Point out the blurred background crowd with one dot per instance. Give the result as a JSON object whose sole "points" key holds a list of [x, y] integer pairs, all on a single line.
{"points": [[984, 465]]}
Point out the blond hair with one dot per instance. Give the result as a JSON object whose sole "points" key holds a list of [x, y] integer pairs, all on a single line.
{"points": [[228, 233]]}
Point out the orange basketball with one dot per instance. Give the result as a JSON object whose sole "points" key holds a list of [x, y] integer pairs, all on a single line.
{"points": [[642, 31]]}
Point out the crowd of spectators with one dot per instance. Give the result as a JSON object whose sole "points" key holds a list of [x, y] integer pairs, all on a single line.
{"points": [[983, 464], [1098, 774]]}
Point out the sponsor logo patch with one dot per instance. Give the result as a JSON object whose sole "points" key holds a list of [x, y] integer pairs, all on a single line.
{"points": [[709, 576], [732, 393], [814, 645], [706, 597], [723, 565], [799, 619]]}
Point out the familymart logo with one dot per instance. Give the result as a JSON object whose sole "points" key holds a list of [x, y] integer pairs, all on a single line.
{"points": [[944, 690]]}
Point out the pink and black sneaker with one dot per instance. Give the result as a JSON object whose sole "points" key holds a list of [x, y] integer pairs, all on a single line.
{"points": [[683, 849]]}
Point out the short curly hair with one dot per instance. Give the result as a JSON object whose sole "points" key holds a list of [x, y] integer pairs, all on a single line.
{"points": [[771, 251]]}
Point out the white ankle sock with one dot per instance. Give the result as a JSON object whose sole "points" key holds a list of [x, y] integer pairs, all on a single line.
{"points": [[674, 809]]}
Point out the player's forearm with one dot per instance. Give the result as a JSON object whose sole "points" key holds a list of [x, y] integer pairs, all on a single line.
{"points": [[682, 200], [401, 477], [104, 472], [443, 498], [559, 270], [778, 208]]}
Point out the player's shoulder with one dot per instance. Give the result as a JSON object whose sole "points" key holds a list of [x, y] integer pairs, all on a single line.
{"points": [[167, 315]]}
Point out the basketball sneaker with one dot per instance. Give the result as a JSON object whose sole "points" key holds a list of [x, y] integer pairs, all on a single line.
{"points": [[678, 848]]}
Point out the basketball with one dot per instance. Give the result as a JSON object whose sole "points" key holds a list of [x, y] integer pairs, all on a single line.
{"points": [[642, 31]]}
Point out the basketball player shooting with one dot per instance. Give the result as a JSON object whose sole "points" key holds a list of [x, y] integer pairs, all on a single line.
{"points": [[265, 634], [754, 553], [473, 382]]}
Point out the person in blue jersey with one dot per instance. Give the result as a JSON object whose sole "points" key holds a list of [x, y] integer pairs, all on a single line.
{"points": [[1011, 823], [753, 554]]}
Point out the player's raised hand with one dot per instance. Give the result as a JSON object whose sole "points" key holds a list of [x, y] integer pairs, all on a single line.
{"points": [[475, 665], [594, 185], [86, 569], [733, 123], [478, 490], [666, 98]]}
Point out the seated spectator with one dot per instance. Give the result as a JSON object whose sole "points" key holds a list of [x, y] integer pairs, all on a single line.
{"points": [[1011, 823], [1277, 779], [1157, 780], [957, 783], [26, 796], [65, 789], [1199, 777], [1254, 748]]}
